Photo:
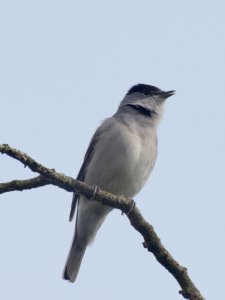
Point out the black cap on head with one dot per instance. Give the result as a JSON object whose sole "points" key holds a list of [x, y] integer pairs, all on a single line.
{"points": [[144, 89]]}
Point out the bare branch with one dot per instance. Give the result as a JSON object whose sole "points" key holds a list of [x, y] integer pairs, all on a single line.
{"points": [[151, 240], [20, 185]]}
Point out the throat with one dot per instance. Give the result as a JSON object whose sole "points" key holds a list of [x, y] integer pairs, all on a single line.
{"points": [[142, 110]]}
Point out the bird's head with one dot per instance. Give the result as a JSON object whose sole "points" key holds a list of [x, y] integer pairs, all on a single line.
{"points": [[146, 98]]}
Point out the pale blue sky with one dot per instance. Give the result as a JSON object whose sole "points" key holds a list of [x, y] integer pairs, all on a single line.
{"points": [[64, 67]]}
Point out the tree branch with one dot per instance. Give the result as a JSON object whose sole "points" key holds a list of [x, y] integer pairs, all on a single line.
{"points": [[151, 240], [20, 185]]}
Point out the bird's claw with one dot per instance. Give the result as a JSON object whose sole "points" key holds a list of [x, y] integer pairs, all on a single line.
{"points": [[132, 207], [95, 189]]}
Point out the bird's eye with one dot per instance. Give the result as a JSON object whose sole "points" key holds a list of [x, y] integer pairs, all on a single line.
{"points": [[146, 93]]}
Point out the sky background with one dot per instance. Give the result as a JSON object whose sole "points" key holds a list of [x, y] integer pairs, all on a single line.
{"points": [[64, 67]]}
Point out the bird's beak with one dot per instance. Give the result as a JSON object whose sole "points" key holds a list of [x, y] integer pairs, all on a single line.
{"points": [[167, 94]]}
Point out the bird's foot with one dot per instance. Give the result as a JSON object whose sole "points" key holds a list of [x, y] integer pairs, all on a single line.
{"points": [[132, 207], [95, 189]]}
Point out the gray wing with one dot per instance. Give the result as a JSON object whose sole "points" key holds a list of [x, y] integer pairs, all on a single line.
{"points": [[82, 173]]}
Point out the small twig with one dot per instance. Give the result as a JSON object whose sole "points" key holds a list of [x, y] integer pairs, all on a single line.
{"points": [[20, 185], [151, 240]]}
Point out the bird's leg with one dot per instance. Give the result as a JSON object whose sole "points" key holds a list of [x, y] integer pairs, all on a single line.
{"points": [[95, 189], [132, 207]]}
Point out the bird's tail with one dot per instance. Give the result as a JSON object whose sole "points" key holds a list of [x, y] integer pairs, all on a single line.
{"points": [[73, 261]]}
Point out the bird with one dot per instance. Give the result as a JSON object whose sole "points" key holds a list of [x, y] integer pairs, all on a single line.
{"points": [[119, 160]]}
